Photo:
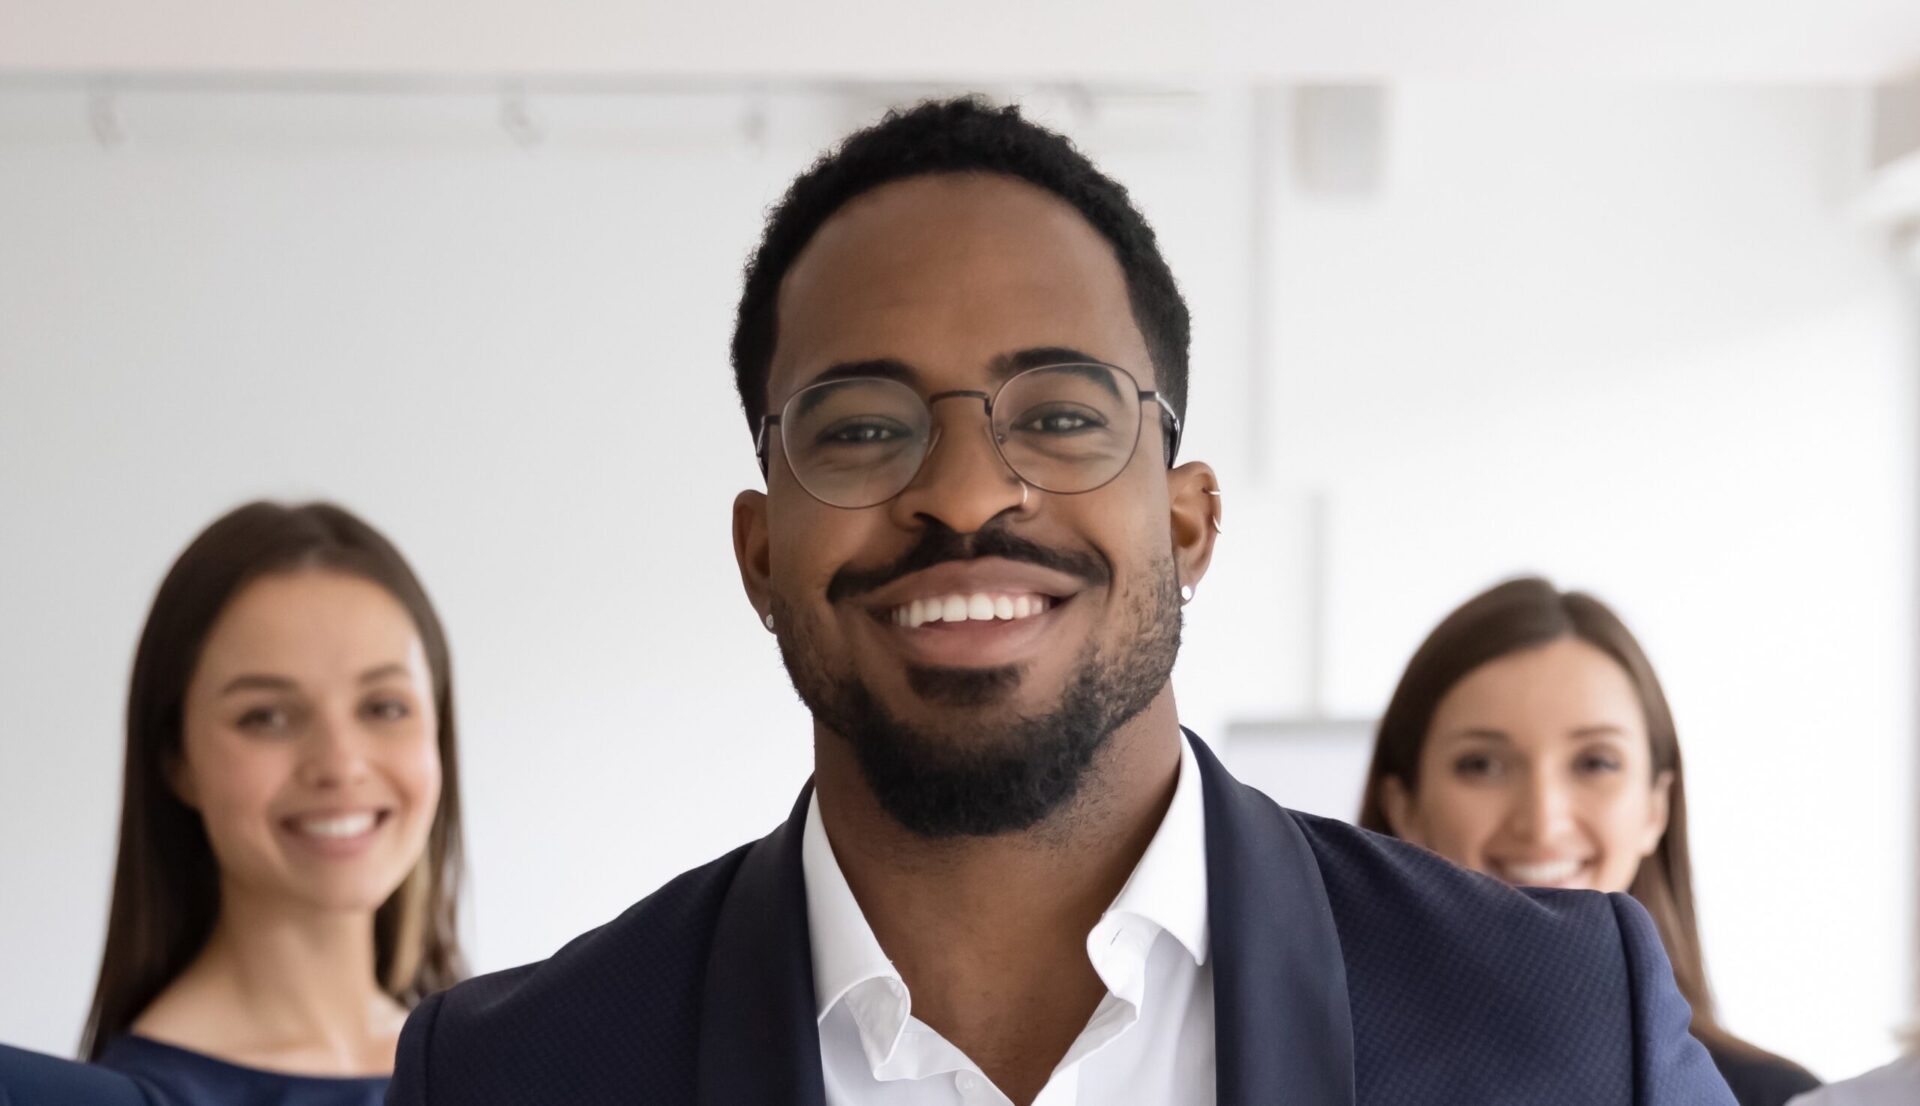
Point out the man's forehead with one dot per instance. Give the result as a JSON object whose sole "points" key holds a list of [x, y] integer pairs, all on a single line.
{"points": [[957, 269]]}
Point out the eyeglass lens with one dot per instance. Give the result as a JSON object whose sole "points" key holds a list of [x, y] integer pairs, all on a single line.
{"points": [[1061, 428]]}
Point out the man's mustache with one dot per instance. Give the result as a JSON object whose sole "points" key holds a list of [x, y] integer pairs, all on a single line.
{"points": [[939, 544]]}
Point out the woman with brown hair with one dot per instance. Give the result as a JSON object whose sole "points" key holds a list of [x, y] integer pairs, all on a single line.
{"points": [[289, 854], [1529, 739]]}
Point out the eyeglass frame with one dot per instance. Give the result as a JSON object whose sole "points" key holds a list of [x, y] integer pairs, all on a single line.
{"points": [[762, 442]]}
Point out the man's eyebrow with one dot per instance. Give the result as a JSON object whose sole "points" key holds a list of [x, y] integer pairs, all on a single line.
{"points": [[1019, 361], [885, 368], [1002, 367], [882, 368], [1093, 372]]}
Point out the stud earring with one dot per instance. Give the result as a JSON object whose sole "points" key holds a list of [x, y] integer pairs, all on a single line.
{"points": [[1186, 594], [769, 621]]}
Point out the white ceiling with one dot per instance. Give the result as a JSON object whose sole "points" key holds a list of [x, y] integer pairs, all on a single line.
{"points": [[1143, 41]]}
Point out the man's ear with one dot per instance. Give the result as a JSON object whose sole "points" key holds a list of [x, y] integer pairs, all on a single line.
{"points": [[1193, 500], [753, 549]]}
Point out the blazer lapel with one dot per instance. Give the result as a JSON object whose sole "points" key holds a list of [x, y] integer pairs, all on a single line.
{"points": [[1283, 1032], [1282, 1029], [759, 1041]]}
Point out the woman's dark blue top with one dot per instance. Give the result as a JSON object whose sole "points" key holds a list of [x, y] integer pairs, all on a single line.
{"points": [[181, 1077]]}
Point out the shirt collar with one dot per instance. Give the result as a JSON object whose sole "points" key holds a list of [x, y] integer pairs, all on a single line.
{"points": [[845, 951], [849, 966], [1168, 890], [1168, 887]]}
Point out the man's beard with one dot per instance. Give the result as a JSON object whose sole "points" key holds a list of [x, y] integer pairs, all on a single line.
{"points": [[1006, 775]]}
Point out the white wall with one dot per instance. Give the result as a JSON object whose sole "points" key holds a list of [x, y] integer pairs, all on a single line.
{"points": [[1628, 338], [1126, 40]]}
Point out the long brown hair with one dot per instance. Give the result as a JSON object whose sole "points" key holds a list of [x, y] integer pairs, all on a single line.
{"points": [[1523, 614], [166, 887]]}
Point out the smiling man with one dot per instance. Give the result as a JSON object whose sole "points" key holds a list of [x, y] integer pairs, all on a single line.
{"points": [[1015, 878]]}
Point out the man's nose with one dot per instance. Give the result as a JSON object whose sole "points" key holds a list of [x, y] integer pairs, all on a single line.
{"points": [[963, 483]]}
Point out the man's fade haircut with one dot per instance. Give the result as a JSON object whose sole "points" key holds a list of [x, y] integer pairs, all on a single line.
{"points": [[963, 135]]}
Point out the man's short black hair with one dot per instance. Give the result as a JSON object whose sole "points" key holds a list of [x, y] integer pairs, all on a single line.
{"points": [[959, 136]]}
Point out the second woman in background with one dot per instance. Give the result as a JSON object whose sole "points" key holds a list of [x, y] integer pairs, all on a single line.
{"points": [[290, 821], [1529, 739]]}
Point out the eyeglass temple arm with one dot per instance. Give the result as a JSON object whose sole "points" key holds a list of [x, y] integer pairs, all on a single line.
{"points": [[760, 440], [1173, 439]]}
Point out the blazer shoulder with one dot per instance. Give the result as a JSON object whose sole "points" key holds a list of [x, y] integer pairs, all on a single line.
{"points": [[625, 994], [1500, 987], [1360, 866], [1475, 965], [651, 936]]}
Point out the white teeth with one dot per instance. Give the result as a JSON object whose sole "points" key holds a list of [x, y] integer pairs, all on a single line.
{"points": [[1553, 871], [346, 825], [978, 607]]}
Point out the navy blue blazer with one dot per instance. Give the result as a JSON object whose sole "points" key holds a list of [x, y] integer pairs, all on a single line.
{"points": [[35, 1079], [1348, 968]]}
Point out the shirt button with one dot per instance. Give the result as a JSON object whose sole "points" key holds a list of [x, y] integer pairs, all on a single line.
{"points": [[965, 1082]]}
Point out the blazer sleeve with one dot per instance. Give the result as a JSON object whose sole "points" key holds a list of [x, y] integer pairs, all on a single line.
{"points": [[1670, 1068], [409, 1086], [35, 1079]]}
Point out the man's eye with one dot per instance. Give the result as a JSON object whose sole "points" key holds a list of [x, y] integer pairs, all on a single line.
{"points": [[862, 433], [1059, 420]]}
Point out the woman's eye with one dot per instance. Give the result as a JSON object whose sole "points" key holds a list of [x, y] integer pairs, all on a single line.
{"points": [[1595, 764], [262, 719], [388, 710], [1476, 766]]}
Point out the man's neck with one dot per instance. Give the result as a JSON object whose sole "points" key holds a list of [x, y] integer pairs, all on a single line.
{"points": [[989, 933]]}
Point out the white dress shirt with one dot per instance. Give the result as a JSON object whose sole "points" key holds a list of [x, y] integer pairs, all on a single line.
{"points": [[1149, 1042]]}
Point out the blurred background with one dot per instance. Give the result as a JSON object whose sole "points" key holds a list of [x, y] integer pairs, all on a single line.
{"points": [[1622, 293]]}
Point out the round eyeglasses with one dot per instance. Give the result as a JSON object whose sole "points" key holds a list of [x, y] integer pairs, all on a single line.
{"points": [[1065, 429]]}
